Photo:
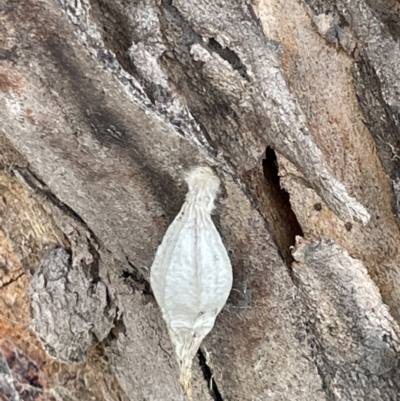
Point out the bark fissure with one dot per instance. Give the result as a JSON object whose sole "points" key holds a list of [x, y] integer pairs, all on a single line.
{"points": [[38, 186], [286, 226], [12, 281], [208, 377], [181, 62], [230, 56], [116, 31]]}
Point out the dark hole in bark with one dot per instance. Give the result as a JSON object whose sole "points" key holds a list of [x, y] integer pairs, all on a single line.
{"points": [[283, 222]]}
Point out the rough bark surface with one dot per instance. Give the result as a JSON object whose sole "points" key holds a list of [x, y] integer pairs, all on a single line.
{"points": [[69, 310], [105, 104], [357, 347]]}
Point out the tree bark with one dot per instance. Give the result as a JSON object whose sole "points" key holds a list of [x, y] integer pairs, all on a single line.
{"points": [[104, 105]]}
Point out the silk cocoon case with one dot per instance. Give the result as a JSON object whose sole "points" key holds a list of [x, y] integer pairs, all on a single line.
{"points": [[191, 275]]}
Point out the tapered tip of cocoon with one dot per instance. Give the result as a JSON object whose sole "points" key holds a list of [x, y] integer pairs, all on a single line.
{"points": [[186, 344], [203, 179], [185, 380]]}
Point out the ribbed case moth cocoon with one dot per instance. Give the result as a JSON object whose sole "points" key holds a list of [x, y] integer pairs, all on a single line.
{"points": [[191, 275]]}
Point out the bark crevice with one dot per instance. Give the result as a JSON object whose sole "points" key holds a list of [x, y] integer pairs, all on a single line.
{"points": [[230, 56], [287, 227], [208, 377]]}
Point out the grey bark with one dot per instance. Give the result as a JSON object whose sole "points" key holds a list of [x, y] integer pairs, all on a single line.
{"points": [[104, 106], [357, 341], [69, 310]]}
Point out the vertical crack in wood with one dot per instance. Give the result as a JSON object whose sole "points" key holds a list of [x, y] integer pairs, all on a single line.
{"points": [[208, 377], [287, 227]]}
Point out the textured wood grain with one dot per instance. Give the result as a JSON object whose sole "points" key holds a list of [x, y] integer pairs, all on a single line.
{"points": [[105, 104]]}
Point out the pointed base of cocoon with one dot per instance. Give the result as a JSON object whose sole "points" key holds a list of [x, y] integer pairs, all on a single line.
{"points": [[185, 381], [186, 345]]}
